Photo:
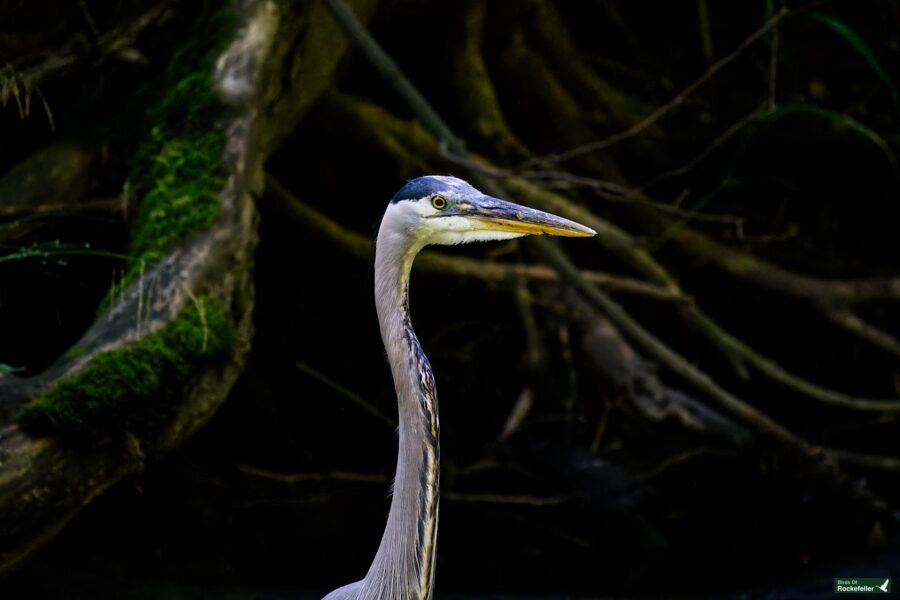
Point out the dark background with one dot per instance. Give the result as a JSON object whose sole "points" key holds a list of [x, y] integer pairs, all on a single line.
{"points": [[650, 508]]}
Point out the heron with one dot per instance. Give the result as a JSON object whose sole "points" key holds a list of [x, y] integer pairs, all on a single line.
{"points": [[442, 210]]}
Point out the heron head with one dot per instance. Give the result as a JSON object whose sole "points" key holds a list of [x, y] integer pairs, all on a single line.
{"points": [[446, 210]]}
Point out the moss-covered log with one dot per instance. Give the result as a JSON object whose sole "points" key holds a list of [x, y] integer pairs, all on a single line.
{"points": [[164, 352], [171, 335]]}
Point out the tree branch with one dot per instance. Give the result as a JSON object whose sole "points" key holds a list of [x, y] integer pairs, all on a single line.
{"points": [[811, 456], [629, 250], [657, 114]]}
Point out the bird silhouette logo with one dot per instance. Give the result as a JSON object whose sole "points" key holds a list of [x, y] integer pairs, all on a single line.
{"points": [[884, 586]]}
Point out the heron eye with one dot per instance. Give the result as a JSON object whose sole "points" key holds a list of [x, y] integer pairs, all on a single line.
{"points": [[439, 202]]}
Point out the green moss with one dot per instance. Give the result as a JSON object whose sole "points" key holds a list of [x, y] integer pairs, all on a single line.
{"points": [[74, 352], [132, 388], [186, 101], [181, 196], [176, 171]]}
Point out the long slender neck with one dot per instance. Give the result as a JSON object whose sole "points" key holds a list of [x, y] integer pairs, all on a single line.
{"points": [[404, 564]]}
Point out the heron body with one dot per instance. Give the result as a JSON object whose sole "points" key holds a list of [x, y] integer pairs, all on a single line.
{"points": [[427, 210]]}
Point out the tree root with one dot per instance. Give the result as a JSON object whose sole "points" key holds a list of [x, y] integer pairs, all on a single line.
{"points": [[306, 53], [630, 251], [473, 93], [44, 481], [809, 458]]}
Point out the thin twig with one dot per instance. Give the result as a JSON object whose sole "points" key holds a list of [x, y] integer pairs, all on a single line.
{"points": [[683, 457], [693, 215], [535, 351], [505, 499], [856, 325], [115, 206], [865, 461], [665, 108], [734, 128], [602, 422], [346, 393], [517, 415], [607, 190], [291, 478], [773, 67]]}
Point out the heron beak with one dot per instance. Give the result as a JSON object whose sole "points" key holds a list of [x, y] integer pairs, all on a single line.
{"points": [[493, 214]]}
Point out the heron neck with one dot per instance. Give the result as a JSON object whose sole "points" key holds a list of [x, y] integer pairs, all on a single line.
{"points": [[405, 558]]}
